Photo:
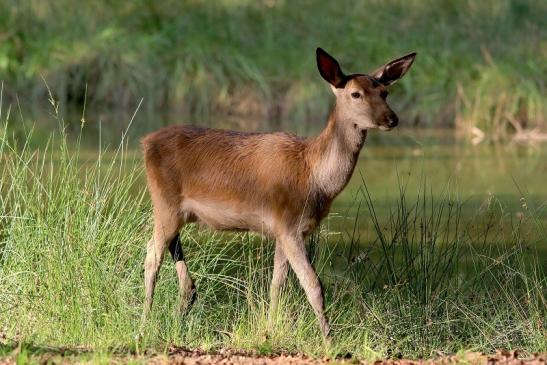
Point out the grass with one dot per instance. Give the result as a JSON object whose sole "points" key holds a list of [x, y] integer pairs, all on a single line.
{"points": [[72, 245], [480, 65]]}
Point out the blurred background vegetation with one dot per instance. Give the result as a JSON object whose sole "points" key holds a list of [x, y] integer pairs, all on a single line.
{"points": [[481, 66]]}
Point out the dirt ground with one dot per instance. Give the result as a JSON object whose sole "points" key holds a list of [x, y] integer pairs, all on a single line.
{"points": [[228, 357], [180, 356]]}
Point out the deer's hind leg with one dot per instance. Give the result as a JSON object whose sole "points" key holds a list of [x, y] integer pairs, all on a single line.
{"points": [[187, 289], [167, 223]]}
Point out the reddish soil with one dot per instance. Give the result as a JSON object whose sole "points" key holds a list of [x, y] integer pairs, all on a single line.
{"points": [[196, 357], [229, 357]]}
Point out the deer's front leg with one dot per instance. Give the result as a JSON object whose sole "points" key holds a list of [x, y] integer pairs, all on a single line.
{"points": [[294, 248], [280, 270]]}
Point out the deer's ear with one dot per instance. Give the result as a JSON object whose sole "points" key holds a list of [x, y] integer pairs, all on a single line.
{"points": [[330, 69], [394, 70]]}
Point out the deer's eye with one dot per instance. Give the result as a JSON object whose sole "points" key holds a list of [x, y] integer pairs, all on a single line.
{"points": [[384, 94], [355, 95]]}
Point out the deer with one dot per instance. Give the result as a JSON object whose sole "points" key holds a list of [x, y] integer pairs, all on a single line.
{"points": [[278, 185]]}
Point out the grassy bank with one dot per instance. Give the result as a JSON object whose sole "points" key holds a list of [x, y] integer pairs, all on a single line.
{"points": [[480, 64], [72, 244]]}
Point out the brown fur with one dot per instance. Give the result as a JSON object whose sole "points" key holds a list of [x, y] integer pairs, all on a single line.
{"points": [[181, 164], [277, 184]]}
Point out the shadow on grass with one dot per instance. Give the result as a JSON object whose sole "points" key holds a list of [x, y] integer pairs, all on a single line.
{"points": [[16, 348], [21, 352]]}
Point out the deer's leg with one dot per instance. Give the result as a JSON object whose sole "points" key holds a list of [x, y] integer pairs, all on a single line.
{"points": [[280, 270], [295, 250], [186, 285], [166, 226]]}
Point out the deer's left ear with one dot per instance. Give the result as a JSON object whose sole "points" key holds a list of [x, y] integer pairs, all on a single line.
{"points": [[394, 70], [330, 69]]}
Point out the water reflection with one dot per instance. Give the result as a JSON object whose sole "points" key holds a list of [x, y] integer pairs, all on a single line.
{"points": [[413, 158]]}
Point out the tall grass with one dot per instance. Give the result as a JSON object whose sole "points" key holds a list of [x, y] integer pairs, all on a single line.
{"points": [[479, 63], [72, 245]]}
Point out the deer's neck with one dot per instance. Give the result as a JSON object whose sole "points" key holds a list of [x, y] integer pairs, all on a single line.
{"points": [[334, 153]]}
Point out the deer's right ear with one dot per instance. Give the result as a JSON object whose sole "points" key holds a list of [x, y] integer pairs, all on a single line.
{"points": [[330, 69]]}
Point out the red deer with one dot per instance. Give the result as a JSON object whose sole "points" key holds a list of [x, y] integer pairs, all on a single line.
{"points": [[276, 184]]}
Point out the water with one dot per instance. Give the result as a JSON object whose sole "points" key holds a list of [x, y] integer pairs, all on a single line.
{"points": [[510, 177]]}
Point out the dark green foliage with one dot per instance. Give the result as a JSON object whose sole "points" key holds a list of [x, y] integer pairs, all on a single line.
{"points": [[480, 64]]}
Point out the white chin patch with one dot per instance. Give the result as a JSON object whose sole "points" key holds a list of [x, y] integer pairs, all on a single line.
{"points": [[384, 128]]}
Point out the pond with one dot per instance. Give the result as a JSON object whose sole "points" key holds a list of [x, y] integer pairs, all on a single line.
{"points": [[513, 176], [508, 179], [436, 157]]}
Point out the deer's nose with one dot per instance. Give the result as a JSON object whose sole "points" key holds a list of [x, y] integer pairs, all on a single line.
{"points": [[393, 120]]}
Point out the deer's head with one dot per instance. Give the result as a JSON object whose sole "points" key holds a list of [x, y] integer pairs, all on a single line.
{"points": [[361, 99]]}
